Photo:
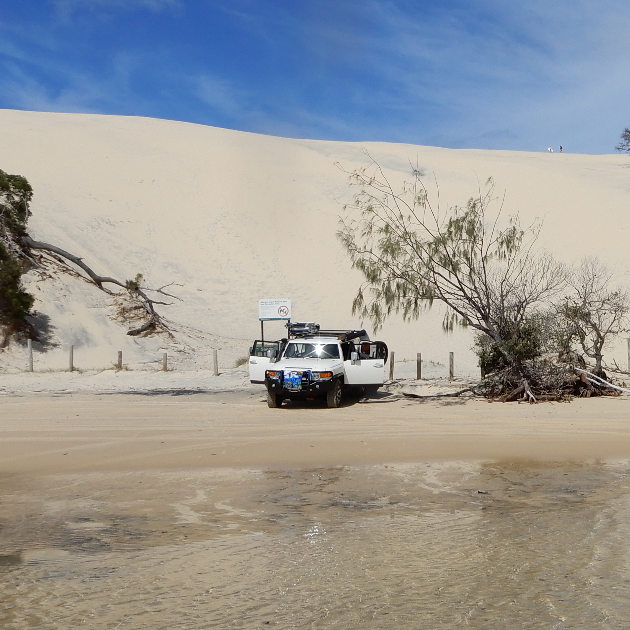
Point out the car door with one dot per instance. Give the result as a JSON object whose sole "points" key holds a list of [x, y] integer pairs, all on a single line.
{"points": [[369, 366], [261, 354]]}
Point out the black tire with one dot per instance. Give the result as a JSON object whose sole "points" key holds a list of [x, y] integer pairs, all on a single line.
{"points": [[273, 400], [333, 396]]}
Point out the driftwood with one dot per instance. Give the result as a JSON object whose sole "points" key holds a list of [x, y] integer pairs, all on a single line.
{"points": [[523, 392], [154, 321], [541, 381], [448, 395], [593, 378], [546, 381]]}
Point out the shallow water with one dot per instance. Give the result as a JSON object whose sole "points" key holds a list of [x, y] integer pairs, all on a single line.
{"points": [[431, 545]]}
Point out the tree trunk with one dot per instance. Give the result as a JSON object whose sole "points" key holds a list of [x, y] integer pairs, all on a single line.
{"points": [[154, 322], [98, 280]]}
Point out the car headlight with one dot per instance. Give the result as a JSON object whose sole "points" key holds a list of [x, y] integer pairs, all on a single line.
{"points": [[322, 376], [274, 375]]}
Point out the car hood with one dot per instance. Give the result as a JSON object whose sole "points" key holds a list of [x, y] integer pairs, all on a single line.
{"points": [[317, 365]]}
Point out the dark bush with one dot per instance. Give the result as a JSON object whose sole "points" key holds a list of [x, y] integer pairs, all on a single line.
{"points": [[15, 303], [521, 343]]}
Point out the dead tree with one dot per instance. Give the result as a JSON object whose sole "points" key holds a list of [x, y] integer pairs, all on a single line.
{"points": [[594, 312], [153, 323]]}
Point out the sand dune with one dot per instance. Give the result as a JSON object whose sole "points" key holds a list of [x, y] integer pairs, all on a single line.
{"points": [[232, 217], [130, 496]]}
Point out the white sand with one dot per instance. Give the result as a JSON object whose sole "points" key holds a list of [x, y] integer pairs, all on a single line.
{"points": [[73, 433], [233, 217], [230, 218]]}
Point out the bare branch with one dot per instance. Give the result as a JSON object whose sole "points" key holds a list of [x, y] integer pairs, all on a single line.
{"points": [[483, 268], [154, 321]]}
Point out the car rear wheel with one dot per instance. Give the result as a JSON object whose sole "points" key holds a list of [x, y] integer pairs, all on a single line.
{"points": [[371, 390], [333, 397]]}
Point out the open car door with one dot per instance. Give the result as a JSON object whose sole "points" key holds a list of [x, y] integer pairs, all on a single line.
{"points": [[261, 354], [369, 366]]}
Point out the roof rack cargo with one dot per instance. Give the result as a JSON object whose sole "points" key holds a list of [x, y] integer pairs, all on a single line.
{"points": [[346, 335], [304, 329]]}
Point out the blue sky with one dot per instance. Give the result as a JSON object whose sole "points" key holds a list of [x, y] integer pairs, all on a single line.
{"points": [[490, 74]]}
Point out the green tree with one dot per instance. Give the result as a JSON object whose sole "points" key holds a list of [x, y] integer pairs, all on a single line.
{"points": [[15, 302], [15, 195], [624, 144], [523, 341], [411, 253]]}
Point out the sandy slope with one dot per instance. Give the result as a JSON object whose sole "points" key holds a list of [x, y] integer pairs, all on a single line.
{"points": [[232, 217]]}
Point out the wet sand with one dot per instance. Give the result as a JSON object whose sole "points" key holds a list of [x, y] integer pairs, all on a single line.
{"points": [[211, 510], [72, 433]]}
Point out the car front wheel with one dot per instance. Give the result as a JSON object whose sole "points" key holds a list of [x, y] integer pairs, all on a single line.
{"points": [[273, 400], [333, 397]]}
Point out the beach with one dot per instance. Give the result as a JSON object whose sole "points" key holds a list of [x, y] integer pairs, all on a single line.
{"points": [[145, 483], [145, 431], [206, 509]]}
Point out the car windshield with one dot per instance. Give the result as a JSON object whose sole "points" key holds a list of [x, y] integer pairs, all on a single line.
{"points": [[305, 350]]}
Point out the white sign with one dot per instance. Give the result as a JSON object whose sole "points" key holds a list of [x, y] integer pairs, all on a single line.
{"points": [[278, 308]]}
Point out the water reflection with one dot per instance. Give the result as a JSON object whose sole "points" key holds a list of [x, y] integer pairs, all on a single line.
{"points": [[437, 545]]}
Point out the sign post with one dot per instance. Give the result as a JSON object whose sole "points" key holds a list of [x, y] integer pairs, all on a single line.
{"points": [[273, 309]]}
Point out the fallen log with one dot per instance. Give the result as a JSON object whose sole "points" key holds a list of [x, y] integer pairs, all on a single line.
{"points": [[593, 378], [154, 321], [448, 395]]}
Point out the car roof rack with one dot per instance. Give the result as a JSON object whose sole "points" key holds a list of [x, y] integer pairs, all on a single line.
{"points": [[311, 329], [302, 329], [346, 335]]}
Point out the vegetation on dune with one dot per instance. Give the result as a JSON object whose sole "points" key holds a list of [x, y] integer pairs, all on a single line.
{"points": [[624, 143], [485, 268], [592, 311], [15, 302], [19, 252], [536, 322]]}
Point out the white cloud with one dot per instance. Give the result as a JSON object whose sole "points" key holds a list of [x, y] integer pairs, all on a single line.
{"points": [[492, 74], [79, 94], [219, 94]]}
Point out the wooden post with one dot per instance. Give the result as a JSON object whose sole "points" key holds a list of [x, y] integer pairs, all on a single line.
{"points": [[215, 363], [71, 359], [165, 362], [119, 364], [419, 366], [451, 366], [391, 365], [29, 345]]}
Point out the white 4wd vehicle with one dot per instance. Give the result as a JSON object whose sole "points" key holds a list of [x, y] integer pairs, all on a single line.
{"points": [[314, 363]]}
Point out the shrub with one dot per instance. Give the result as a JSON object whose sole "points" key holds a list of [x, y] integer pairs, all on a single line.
{"points": [[15, 303], [523, 342]]}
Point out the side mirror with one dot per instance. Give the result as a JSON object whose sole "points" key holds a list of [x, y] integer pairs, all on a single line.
{"points": [[354, 357], [272, 353]]}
